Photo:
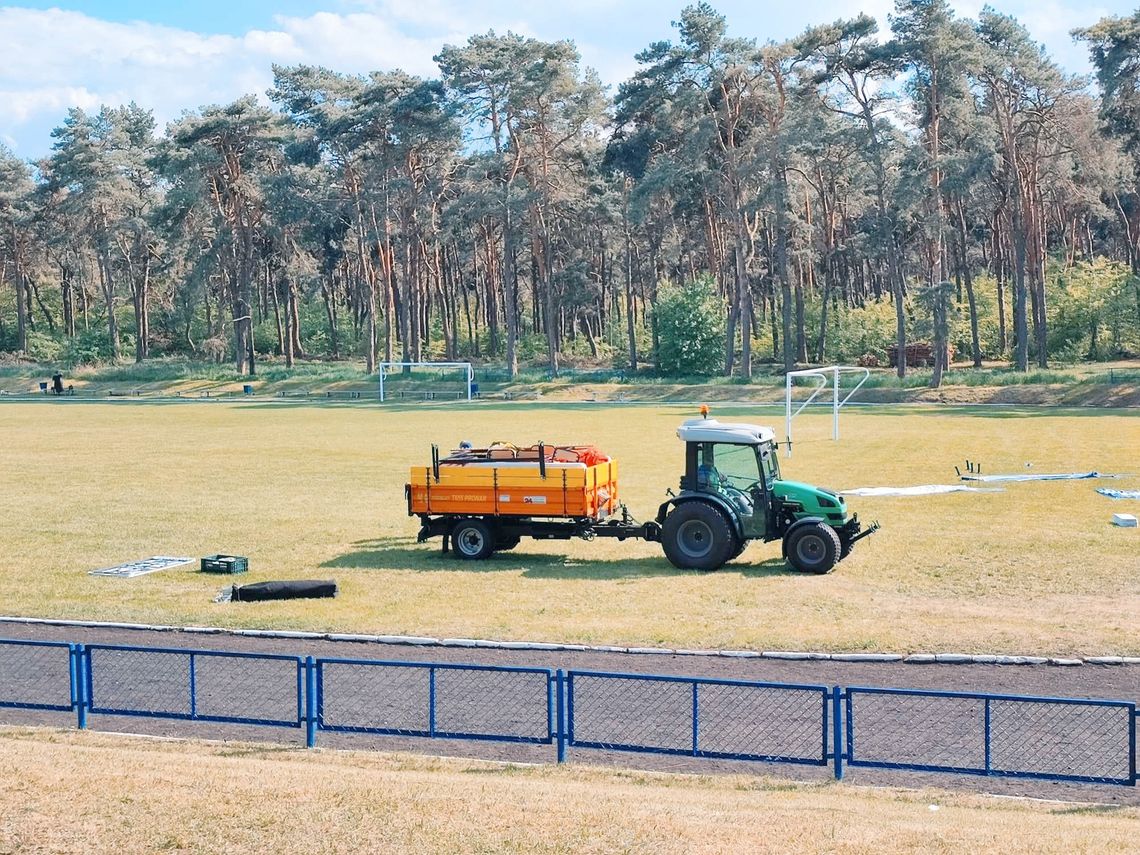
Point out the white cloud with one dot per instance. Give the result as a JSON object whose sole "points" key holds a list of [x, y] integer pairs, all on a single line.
{"points": [[53, 59]]}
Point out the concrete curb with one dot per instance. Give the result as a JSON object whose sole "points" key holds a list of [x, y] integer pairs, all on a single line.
{"points": [[473, 643]]}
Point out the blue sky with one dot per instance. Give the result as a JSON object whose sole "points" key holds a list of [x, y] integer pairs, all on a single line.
{"points": [[171, 56]]}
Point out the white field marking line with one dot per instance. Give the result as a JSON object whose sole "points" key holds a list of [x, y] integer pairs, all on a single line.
{"points": [[424, 641]]}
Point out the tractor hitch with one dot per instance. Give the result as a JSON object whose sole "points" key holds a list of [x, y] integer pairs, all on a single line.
{"points": [[855, 534]]}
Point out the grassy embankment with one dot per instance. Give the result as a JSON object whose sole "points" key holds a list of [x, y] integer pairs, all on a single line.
{"points": [[317, 492], [1088, 384], [69, 792]]}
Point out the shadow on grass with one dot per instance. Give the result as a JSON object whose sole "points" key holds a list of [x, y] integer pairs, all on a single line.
{"points": [[402, 553]]}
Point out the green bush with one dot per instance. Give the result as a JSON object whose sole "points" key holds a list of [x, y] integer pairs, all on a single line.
{"points": [[43, 347], [691, 328], [91, 347], [1093, 311]]}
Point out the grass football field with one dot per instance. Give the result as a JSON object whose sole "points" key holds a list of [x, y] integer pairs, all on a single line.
{"points": [[317, 492]]}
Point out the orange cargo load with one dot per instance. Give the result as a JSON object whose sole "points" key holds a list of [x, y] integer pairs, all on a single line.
{"points": [[577, 482]]}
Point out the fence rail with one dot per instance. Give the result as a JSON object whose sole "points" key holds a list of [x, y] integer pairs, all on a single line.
{"points": [[1011, 736], [973, 733], [698, 717]]}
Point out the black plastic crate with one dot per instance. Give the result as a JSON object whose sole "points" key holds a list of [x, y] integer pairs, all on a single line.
{"points": [[225, 564]]}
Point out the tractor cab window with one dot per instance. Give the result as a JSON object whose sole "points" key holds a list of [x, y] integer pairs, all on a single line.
{"points": [[727, 469], [769, 464]]}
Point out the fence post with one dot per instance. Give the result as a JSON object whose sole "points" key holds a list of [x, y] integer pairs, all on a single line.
{"points": [[193, 689], [82, 680], [310, 702], [989, 752], [73, 679], [837, 731], [431, 702], [560, 713], [1132, 746], [696, 723]]}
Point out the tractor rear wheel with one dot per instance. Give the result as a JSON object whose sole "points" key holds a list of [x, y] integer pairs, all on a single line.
{"points": [[813, 548], [697, 536], [472, 540]]}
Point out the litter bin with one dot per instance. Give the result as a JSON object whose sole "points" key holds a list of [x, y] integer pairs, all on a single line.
{"points": [[43, 386], [247, 389]]}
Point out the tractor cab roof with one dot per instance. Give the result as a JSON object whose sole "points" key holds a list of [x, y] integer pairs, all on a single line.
{"points": [[710, 430]]}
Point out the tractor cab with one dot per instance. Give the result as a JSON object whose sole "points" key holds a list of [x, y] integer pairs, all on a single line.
{"points": [[732, 493]]}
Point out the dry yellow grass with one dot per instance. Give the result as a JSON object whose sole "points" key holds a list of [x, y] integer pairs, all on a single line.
{"points": [[312, 492], [71, 792]]}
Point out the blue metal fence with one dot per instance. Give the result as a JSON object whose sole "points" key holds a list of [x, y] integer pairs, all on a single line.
{"points": [[698, 717], [1062, 739], [1012, 736], [199, 685], [444, 701], [38, 675]]}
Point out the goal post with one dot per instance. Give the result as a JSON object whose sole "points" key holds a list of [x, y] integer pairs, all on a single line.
{"points": [[464, 369], [823, 377]]}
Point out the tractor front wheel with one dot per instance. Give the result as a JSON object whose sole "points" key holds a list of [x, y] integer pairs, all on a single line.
{"points": [[472, 540], [813, 548], [845, 547], [696, 536]]}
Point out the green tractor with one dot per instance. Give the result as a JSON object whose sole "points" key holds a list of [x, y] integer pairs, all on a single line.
{"points": [[732, 493]]}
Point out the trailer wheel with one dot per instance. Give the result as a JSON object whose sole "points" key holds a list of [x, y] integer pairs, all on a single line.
{"points": [[813, 548], [696, 536], [472, 540]]}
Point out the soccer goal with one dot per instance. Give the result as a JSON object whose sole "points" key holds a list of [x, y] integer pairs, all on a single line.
{"points": [[823, 377], [427, 381]]}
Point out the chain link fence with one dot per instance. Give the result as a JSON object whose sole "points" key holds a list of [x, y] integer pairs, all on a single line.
{"points": [[1063, 739], [37, 675], [452, 701], [197, 685], [1000, 735], [700, 718]]}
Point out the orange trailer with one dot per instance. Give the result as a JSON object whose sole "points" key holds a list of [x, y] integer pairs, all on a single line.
{"points": [[489, 498]]}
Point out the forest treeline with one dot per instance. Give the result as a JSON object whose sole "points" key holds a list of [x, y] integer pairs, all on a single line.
{"points": [[859, 187]]}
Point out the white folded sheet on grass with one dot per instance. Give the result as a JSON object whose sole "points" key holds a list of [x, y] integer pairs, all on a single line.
{"points": [[1065, 476], [921, 490], [1119, 494]]}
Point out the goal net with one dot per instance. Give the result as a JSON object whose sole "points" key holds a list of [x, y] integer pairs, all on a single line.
{"points": [[427, 381], [818, 380]]}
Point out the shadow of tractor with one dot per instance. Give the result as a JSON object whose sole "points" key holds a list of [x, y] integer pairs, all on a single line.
{"points": [[403, 553]]}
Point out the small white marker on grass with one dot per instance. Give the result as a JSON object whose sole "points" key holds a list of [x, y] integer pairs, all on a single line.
{"points": [[1124, 520]]}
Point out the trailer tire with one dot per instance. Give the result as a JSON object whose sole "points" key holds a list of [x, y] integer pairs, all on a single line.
{"points": [[697, 536], [472, 540], [813, 548]]}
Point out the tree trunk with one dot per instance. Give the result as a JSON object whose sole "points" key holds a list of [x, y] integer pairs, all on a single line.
{"points": [[967, 277]]}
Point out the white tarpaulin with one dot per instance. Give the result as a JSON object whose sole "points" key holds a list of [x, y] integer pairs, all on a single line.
{"points": [[1119, 494], [142, 566], [1066, 476], [921, 490]]}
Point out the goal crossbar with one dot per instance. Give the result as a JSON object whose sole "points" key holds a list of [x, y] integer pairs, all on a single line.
{"points": [[822, 376], [469, 378]]}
